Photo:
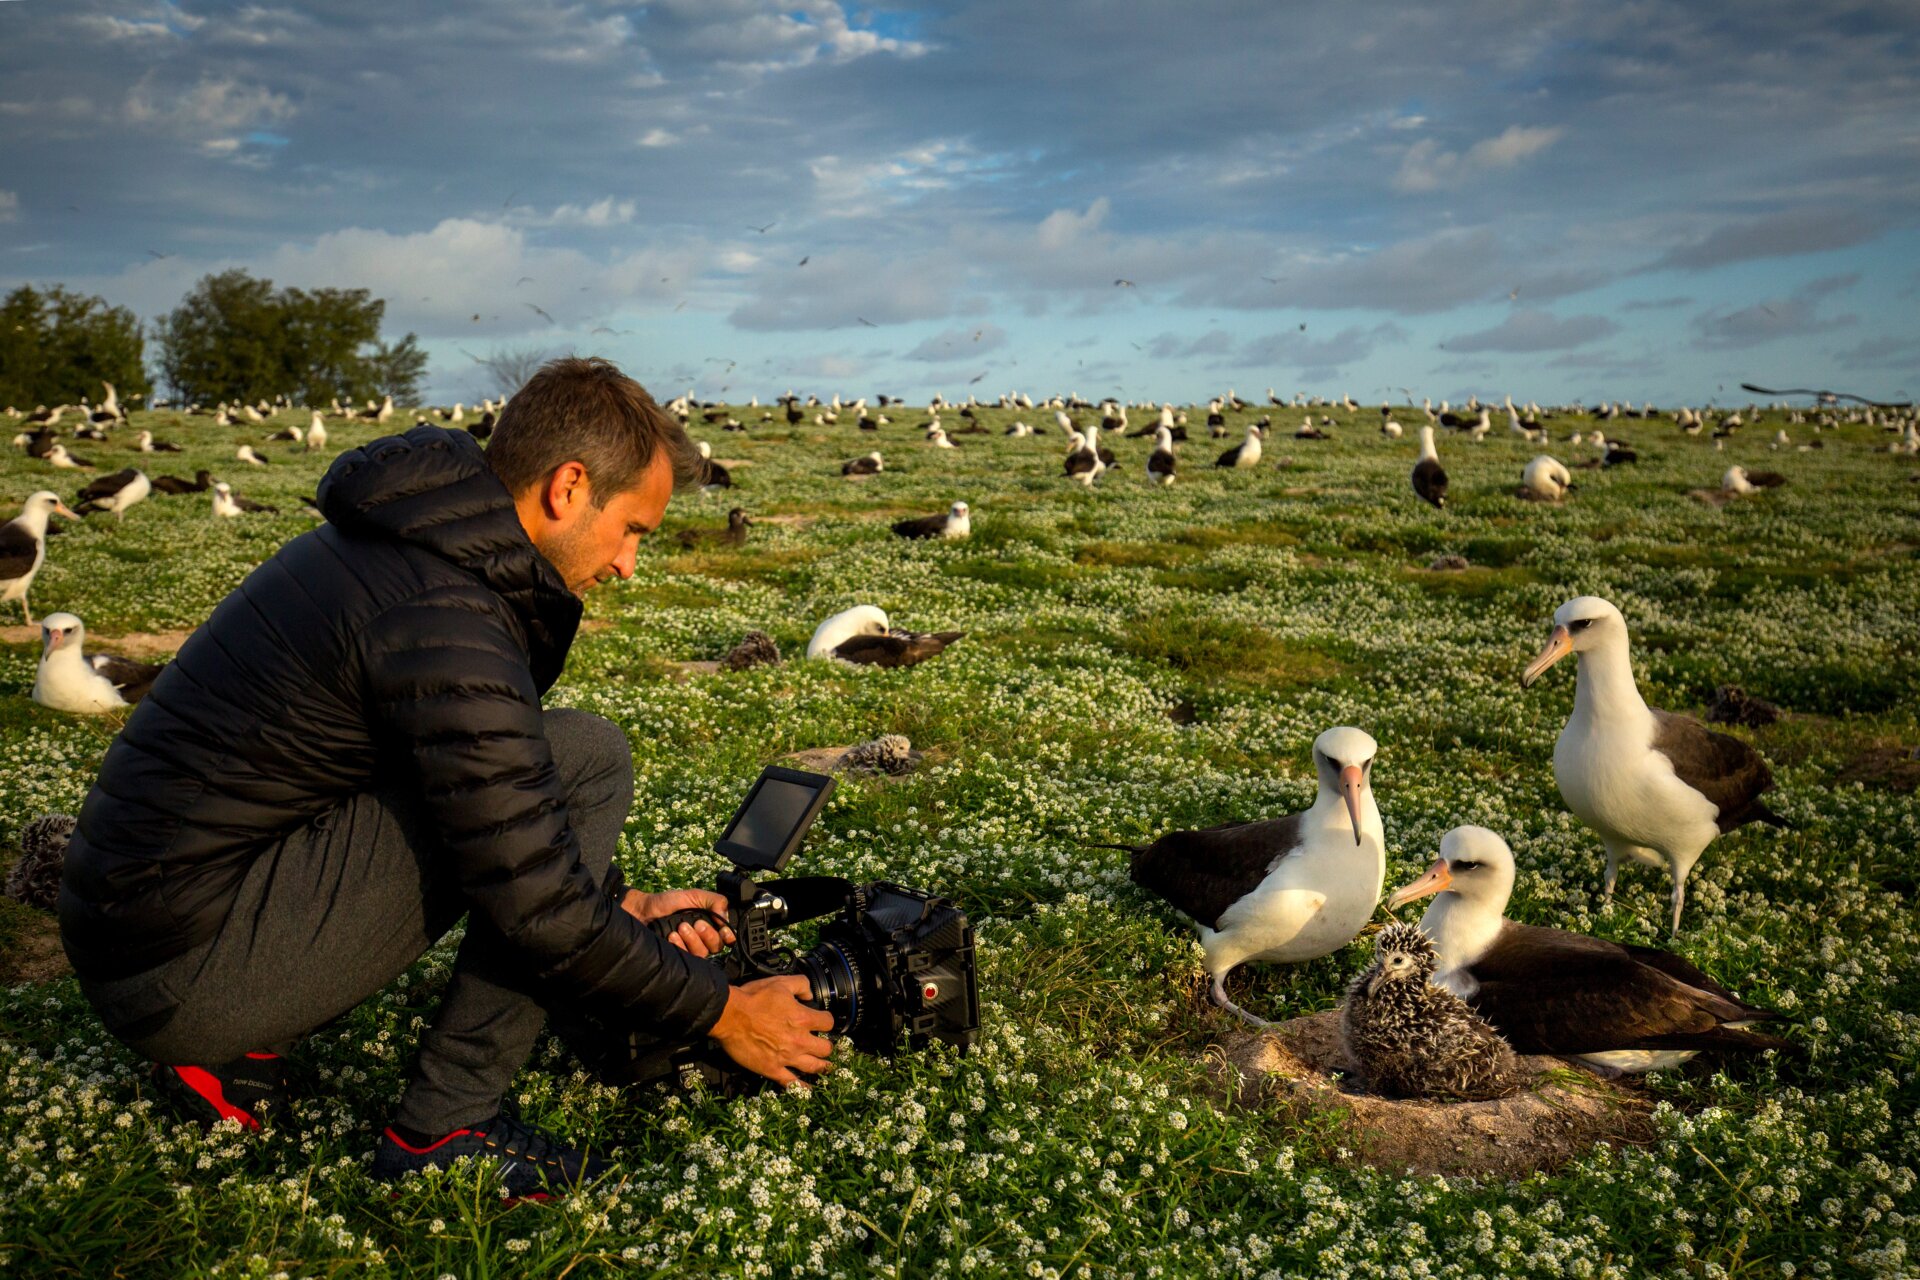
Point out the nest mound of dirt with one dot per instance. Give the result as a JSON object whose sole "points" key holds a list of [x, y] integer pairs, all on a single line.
{"points": [[1300, 1065], [885, 759]]}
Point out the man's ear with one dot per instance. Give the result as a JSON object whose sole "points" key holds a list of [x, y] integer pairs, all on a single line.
{"points": [[566, 489]]}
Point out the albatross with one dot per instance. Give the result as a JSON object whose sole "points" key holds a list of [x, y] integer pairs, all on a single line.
{"points": [[863, 636], [1244, 454], [69, 679], [956, 523], [1284, 890], [114, 493], [1429, 478], [23, 546], [1614, 1006], [1160, 462], [1657, 787]]}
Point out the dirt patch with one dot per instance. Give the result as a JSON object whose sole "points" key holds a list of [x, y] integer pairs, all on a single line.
{"points": [[1886, 768], [1300, 1066], [688, 670], [135, 644], [30, 948], [829, 760], [797, 522]]}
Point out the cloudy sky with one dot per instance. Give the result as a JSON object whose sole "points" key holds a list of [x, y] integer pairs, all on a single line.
{"points": [[1559, 200]]}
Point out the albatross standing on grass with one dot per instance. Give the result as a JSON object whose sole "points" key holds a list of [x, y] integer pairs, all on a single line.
{"points": [[1657, 787], [1429, 478], [1160, 462], [71, 680], [1615, 1006], [23, 546], [1285, 890]]}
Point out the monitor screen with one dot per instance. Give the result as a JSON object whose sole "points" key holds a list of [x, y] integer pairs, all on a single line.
{"points": [[768, 823]]}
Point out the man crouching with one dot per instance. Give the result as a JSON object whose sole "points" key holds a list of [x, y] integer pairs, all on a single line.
{"points": [[350, 756]]}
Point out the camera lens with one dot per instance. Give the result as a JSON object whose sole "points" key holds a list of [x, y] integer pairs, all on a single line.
{"points": [[834, 973]]}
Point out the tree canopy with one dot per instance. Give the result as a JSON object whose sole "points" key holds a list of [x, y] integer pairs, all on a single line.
{"points": [[235, 337], [58, 347]]}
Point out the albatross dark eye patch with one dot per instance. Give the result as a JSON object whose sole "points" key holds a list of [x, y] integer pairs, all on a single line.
{"points": [[1465, 866], [1580, 624]]}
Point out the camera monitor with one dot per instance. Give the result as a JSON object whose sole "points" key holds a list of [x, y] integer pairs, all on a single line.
{"points": [[771, 822]]}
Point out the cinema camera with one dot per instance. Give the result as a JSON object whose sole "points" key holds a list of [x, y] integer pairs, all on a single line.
{"points": [[892, 960]]}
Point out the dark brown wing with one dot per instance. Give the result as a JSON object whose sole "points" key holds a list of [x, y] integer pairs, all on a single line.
{"points": [[1765, 479], [1231, 457], [895, 649], [1205, 872], [1549, 991], [248, 504], [18, 550], [174, 484], [1079, 462], [1430, 481], [924, 527], [132, 679], [107, 486], [1719, 766], [1682, 969]]}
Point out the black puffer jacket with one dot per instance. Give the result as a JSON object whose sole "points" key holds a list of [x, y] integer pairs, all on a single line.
{"points": [[409, 638]]}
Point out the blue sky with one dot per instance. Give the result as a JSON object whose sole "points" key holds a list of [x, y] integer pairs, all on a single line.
{"points": [[1575, 200]]}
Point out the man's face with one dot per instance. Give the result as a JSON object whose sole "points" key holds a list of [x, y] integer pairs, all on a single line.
{"points": [[589, 544]]}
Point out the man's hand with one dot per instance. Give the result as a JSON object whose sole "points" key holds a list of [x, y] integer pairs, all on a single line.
{"points": [[702, 939], [766, 1029]]}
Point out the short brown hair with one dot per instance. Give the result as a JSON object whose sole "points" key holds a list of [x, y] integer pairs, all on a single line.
{"points": [[587, 411]]}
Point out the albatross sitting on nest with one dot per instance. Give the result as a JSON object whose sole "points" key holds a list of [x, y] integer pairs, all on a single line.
{"points": [[1285, 890], [1614, 1006], [956, 523], [71, 680], [1657, 787], [865, 637]]}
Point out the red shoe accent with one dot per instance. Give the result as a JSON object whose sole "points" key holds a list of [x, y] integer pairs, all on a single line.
{"points": [[402, 1143], [264, 1057], [207, 1085], [507, 1202]]}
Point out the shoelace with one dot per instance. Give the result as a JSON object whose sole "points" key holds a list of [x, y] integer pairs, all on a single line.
{"points": [[523, 1140]]}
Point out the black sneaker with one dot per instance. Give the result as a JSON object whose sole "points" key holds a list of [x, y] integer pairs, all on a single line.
{"points": [[249, 1089], [531, 1165]]}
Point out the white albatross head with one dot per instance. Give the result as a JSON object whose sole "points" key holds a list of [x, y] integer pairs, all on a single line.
{"points": [[1581, 625], [1475, 865], [1343, 757], [61, 631]]}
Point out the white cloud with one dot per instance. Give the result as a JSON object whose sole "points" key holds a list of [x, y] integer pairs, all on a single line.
{"points": [[1425, 166], [9, 206], [606, 212], [659, 138], [216, 105]]}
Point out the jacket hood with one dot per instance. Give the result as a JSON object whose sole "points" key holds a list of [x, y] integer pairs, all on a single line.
{"points": [[432, 487]]}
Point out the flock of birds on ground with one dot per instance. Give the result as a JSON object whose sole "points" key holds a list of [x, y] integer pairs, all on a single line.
{"points": [[1444, 1006]]}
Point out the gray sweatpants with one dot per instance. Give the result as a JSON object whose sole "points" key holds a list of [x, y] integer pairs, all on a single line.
{"points": [[342, 907]]}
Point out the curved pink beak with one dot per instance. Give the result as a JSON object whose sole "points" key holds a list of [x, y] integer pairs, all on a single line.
{"points": [[1559, 645], [1353, 781], [1437, 880]]}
